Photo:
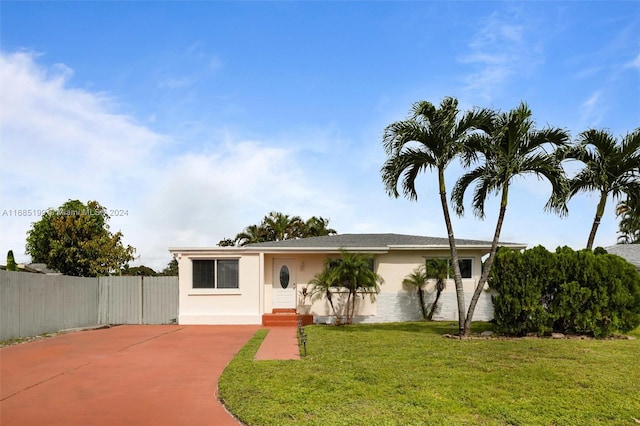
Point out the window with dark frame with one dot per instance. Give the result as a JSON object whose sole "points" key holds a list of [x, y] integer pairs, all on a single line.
{"points": [[215, 273], [465, 268]]}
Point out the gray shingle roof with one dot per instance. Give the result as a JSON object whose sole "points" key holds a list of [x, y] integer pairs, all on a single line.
{"points": [[630, 252], [368, 241]]}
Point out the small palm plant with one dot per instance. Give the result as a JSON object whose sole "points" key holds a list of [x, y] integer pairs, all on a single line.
{"points": [[417, 280], [321, 285], [353, 273], [439, 270]]}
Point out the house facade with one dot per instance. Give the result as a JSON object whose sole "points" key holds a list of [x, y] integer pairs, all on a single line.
{"points": [[239, 285]]}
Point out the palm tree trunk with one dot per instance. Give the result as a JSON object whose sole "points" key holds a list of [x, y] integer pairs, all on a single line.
{"points": [[457, 276], [353, 307], [596, 220], [487, 265], [421, 297], [434, 305]]}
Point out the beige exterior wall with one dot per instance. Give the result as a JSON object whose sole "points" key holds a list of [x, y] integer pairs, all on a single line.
{"points": [[246, 304], [397, 265], [221, 306]]}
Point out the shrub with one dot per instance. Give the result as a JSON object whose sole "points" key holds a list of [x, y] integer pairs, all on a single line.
{"points": [[567, 291]]}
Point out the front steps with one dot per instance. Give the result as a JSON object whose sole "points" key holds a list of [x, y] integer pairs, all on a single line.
{"points": [[285, 317]]}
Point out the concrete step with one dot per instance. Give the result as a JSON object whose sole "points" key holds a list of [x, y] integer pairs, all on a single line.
{"points": [[286, 319]]}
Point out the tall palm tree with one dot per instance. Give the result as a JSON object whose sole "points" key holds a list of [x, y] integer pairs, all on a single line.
{"points": [[511, 148], [611, 168], [629, 226], [430, 139]]}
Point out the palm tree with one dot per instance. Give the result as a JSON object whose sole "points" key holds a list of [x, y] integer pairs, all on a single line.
{"points": [[629, 226], [351, 272], [611, 168], [321, 285], [251, 234], [279, 226], [511, 148], [418, 279], [317, 226], [437, 269], [430, 139]]}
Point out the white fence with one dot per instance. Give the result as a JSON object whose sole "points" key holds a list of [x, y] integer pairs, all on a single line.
{"points": [[32, 304]]}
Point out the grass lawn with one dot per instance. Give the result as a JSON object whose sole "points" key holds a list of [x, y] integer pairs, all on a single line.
{"points": [[408, 374]]}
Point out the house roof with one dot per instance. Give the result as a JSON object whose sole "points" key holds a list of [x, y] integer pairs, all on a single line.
{"points": [[629, 252], [369, 241], [359, 242]]}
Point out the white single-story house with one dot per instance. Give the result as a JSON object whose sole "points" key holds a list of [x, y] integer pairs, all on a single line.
{"points": [[240, 285]]}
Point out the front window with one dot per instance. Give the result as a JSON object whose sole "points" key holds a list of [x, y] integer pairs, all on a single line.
{"points": [[215, 273], [465, 267]]}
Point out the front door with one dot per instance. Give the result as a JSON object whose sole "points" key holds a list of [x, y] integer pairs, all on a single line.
{"points": [[284, 284]]}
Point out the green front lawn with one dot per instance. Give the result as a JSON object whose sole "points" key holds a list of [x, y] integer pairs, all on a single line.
{"points": [[408, 374]]}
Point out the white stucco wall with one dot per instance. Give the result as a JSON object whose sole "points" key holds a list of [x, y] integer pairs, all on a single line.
{"points": [[246, 304], [221, 306], [396, 302]]}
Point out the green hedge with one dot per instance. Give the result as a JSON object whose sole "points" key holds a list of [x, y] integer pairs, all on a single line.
{"points": [[575, 292]]}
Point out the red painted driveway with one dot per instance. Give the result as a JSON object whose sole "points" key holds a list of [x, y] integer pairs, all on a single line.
{"points": [[126, 375]]}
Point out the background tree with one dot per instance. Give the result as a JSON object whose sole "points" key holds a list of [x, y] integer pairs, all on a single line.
{"points": [[629, 227], [278, 226], [226, 242], [11, 262], [430, 140], [417, 279], [251, 234], [317, 226], [438, 270], [611, 169], [171, 270], [510, 148], [75, 240], [138, 271]]}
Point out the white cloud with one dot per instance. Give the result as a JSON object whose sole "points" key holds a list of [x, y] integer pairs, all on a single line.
{"points": [[591, 110], [63, 143], [500, 50], [635, 63]]}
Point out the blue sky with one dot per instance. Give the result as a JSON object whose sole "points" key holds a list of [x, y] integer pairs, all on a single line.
{"points": [[199, 118]]}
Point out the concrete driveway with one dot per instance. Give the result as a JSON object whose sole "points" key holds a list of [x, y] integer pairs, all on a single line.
{"points": [[125, 375]]}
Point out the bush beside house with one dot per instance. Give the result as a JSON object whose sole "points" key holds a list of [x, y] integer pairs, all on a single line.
{"points": [[577, 292]]}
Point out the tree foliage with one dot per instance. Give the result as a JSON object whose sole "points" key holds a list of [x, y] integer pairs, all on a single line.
{"points": [[75, 240], [278, 226], [510, 147], [438, 270], [11, 262], [417, 280], [611, 169], [629, 226], [171, 269], [351, 273], [430, 139], [567, 291], [138, 271]]}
